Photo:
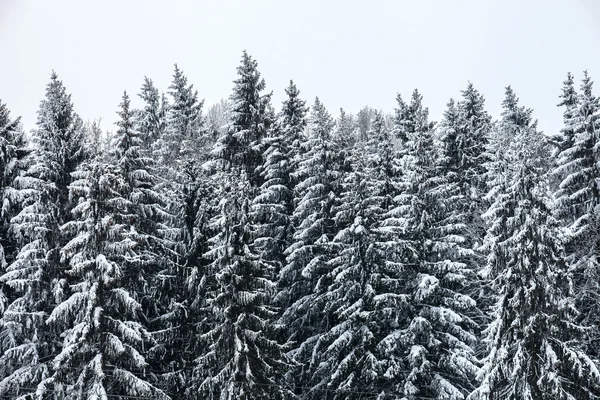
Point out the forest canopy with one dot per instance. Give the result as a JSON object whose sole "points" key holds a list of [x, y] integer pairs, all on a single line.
{"points": [[251, 250]]}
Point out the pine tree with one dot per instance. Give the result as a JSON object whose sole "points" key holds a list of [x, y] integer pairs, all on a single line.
{"points": [[515, 129], [273, 206], [400, 116], [95, 140], [11, 165], [150, 219], [345, 358], [151, 120], [178, 187], [304, 276], [464, 136], [363, 122], [436, 340], [155, 233], [406, 121], [569, 101], [534, 342], [242, 359], [35, 276], [102, 353], [469, 160], [578, 202], [576, 164], [242, 144], [345, 131], [362, 301], [182, 137], [217, 118], [409, 116]]}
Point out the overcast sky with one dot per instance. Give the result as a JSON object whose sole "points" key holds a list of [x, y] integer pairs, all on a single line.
{"points": [[349, 53]]}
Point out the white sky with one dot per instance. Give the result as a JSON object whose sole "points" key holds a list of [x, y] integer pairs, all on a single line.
{"points": [[349, 53]]}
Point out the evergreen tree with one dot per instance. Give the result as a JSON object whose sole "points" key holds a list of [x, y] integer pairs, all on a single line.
{"points": [[179, 183], [436, 339], [102, 353], [273, 206], [363, 122], [242, 144], [182, 137], [12, 155], [95, 140], [407, 119], [151, 120], [362, 302], [217, 118], [410, 116], [149, 218], [515, 129], [576, 164], [345, 131], [304, 276], [464, 136], [569, 100], [400, 115], [578, 202], [11, 165], [534, 343], [35, 276], [243, 360]]}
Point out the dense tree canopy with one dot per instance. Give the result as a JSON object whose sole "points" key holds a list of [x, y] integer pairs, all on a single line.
{"points": [[255, 253]]}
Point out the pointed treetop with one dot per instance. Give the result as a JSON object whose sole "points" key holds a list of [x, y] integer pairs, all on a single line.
{"points": [[586, 85], [6, 125], [512, 113], [510, 99], [56, 109], [246, 98], [472, 98], [249, 75], [149, 92], [125, 137], [321, 120], [294, 109], [124, 111], [569, 94]]}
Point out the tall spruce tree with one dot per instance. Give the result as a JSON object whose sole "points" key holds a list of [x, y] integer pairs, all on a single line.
{"points": [[305, 274], [569, 100], [362, 301], [151, 120], [436, 340], [400, 115], [242, 360], [35, 276], [182, 134], [464, 135], [242, 144], [516, 128], [152, 228], [182, 149], [103, 337], [272, 208], [11, 165], [578, 202], [534, 343], [345, 130]]}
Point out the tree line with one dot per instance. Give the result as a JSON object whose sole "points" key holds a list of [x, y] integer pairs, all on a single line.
{"points": [[245, 252]]}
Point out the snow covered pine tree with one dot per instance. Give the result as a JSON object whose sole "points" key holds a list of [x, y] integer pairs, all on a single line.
{"points": [[36, 274]]}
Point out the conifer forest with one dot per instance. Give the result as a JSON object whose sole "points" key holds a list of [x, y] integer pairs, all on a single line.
{"points": [[248, 250]]}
